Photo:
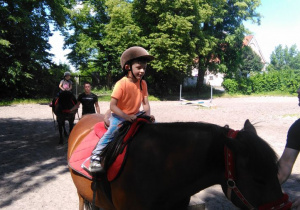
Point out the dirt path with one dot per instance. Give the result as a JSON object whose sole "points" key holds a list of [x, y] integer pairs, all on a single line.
{"points": [[34, 168]]}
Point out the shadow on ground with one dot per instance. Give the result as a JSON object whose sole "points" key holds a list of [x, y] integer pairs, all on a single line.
{"points": [[30, 157]]}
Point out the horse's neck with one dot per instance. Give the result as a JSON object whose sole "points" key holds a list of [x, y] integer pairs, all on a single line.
{"points": [[212, 163], [66, 102], [198, 148]]}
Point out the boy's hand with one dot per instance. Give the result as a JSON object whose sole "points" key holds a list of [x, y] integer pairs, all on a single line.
{"points": [[152, 118], [130, 118], [73, 111]]}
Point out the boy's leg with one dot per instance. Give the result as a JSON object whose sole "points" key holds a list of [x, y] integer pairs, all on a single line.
{"points": [[95, 165]]}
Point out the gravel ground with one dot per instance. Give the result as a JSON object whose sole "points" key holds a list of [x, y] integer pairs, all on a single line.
{"points": [[34, 168]]}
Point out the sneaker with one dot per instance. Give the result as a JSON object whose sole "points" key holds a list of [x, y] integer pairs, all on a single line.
{"points": [[95, 166]]}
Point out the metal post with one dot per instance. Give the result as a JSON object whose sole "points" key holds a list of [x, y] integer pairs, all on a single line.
{"points": [[76, 87], [77, 81], [180, 92], [211, 93]]}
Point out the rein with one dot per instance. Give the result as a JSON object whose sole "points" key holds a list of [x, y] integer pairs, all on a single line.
{"points": [[281, 204], [229, 173]]}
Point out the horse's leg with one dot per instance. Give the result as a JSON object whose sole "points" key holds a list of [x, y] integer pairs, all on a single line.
{"points": [[85, 204], [71, 123], [64, 126], [60, 127], [81, 202]]}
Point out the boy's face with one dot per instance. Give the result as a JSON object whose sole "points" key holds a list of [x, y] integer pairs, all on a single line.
{"points": [[87, 88], [138, 70]]}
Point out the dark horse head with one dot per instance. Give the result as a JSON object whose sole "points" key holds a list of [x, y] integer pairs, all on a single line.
{"points": [[167, 163], [61, 107], [251, 180]]}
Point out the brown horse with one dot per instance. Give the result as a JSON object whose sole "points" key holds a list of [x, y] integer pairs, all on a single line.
{"points": [[169, 162], [61, 108]]}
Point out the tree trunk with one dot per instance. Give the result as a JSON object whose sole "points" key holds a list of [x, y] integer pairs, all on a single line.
{"points": [[108, 80], [201, 73]]}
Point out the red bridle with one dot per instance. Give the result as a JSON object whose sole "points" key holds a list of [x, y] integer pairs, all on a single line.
{"points": [[281, 204]]}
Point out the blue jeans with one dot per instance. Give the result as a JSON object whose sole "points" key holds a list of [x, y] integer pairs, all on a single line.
{"points": [[115, 120]]}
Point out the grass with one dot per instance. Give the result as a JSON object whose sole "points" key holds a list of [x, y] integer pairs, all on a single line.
{"points": [[263, 94], [104, 95], [25, 101], [292, 115]]}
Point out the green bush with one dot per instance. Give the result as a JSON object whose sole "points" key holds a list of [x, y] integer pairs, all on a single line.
{"points": [[245, 86], [284, 81], [230, 85]]}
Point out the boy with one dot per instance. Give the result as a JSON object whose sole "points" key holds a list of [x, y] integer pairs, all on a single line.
{"points": [[128, 95], [88, 100], [64, 85]]}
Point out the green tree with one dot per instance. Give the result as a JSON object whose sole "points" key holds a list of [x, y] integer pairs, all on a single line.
{"points": [[24, 47], [251, 62], [285, 58], [125, 26], [221, 33], [99, 33], [165, 28], [175, 32], [120, 33], [278, 57]]}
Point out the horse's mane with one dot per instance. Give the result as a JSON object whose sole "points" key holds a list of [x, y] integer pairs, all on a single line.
{"points": [[261, 158]]}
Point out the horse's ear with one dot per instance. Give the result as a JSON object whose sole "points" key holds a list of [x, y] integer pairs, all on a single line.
{"points": [[249, 127]]}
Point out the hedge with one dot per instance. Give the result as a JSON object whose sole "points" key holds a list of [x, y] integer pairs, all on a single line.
{"points": [[283, 80]]}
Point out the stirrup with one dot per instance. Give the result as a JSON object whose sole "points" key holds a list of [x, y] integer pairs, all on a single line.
{"points": [[88, 170], [85, 168]]}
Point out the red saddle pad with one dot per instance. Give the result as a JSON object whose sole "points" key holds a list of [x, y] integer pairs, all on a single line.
{"points": [[85, 148]]}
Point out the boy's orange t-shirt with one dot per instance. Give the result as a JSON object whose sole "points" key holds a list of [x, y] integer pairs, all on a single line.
{"points": [[129, 95]]}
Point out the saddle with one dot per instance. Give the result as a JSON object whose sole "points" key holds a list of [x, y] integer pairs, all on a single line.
{"points": [[114, 154]]}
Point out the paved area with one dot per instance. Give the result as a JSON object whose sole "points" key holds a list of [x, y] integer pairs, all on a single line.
{"points": [[34, 168]]}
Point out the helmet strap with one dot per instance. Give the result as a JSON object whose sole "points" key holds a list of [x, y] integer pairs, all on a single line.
{"points": [[135, 77]]}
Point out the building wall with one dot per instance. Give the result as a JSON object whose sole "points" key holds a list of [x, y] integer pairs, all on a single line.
{"points": [[214, 80]]}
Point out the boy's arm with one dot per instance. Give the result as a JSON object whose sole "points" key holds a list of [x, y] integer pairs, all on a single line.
{"points": [[60, 86], [286, 163], [97, 107], [115, 109], [75, 107], [146, 107]]}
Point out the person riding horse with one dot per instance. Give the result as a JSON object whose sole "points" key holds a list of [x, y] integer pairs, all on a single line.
{"points": [[126, 99], [61, 106]]}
